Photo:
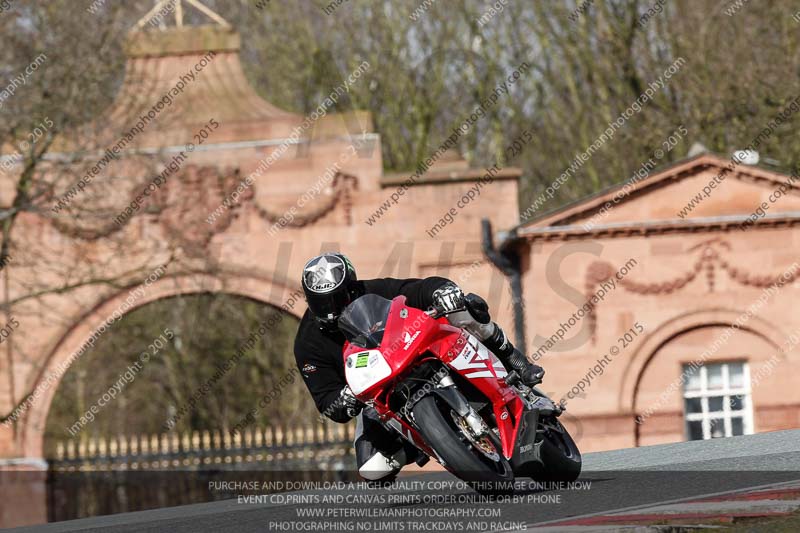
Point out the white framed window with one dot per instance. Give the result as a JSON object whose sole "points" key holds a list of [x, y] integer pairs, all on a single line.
{"points": [[716, 400]]}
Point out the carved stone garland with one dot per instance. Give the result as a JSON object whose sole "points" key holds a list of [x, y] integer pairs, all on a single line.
{"points": [[708, 262], [186, 198], [202, 190], [342, 185]]}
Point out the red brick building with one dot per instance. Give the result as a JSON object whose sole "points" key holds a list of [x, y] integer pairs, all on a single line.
{"points": [[669, 287]]}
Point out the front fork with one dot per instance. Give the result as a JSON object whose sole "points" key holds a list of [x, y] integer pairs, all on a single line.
{"points": [[446, 390], [444, 387], [536, 404], [475, 425], [526, 457]]}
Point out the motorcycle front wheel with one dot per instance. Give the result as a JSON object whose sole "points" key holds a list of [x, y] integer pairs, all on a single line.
{"points": [[478, 462]]}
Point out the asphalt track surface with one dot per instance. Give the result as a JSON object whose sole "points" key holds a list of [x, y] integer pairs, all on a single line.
{"points": [[612, 481]]}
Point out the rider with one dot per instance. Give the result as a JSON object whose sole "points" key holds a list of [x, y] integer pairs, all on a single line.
{"points": [[330, 284]]}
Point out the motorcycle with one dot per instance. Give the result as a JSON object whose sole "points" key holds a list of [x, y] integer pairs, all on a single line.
{"points": [[450, 397]]}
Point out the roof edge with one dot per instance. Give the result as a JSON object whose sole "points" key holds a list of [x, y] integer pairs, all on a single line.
{"points": [[650, 227], [671, 171], [182, 41], [444, 176]]}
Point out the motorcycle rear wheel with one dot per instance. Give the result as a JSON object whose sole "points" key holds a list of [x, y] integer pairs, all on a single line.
{"points": [[559, 453], [436, 421]]}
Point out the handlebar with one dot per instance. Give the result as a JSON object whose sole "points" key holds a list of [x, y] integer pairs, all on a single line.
{"points": [[433, 312]]}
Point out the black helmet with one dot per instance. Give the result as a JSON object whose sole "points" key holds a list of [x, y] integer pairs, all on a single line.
{"points": [[330, 284]]}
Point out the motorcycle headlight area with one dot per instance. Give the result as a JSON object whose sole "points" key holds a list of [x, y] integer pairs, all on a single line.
{"points": [[364, 369]]}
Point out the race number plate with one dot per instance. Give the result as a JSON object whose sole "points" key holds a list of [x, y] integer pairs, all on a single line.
{"points": [[364, 369]]}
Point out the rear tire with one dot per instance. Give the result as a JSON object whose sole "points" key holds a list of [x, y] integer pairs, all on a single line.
{"points": [[560, 455], [434, 420]]}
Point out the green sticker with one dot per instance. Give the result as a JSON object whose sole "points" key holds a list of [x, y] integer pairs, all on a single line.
{"points": [[361, 359]]}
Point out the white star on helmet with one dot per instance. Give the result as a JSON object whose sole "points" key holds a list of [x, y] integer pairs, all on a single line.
{"points": [[323, 271]]}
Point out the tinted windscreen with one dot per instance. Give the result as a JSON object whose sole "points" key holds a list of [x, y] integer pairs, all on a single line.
{"points": [[364, 321]]}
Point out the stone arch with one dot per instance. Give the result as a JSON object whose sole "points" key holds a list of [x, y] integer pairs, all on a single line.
{"points": [[649, 369], [259, 288], [671, 329]]}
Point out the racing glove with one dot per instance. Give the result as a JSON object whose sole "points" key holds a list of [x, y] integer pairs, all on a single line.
{"points": [[349, 403], [448, 299]]}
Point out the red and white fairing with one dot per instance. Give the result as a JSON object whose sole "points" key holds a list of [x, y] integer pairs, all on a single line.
{"points": [[411, 337]]}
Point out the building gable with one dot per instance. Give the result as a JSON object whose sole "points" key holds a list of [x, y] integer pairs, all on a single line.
{"points": [[697, 191]]}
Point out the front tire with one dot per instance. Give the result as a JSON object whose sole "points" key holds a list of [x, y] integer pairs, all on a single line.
{"points": [[487, 471]]}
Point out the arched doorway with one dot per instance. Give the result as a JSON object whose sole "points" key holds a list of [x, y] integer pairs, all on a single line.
{"points": [[195, 362], [209, 360], [263, 290]]}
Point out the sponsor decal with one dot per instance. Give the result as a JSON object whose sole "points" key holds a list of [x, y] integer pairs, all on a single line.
{"points": [[408, 339], [362, 359]]}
